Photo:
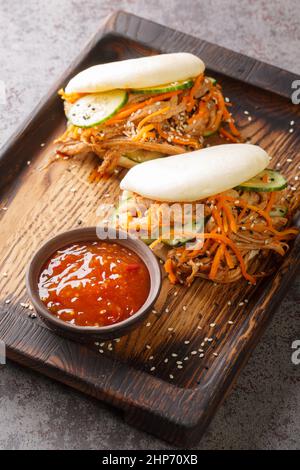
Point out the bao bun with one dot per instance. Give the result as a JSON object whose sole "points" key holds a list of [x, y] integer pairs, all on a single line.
{"points": [[196, 175], [137, 73]]}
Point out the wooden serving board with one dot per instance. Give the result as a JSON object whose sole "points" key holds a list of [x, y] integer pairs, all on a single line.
{"points": [[170, 375]]}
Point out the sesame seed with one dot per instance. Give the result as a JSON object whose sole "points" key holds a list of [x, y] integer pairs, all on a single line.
{"points": [[293, 188], [7, 301], [166, 360], [186, 358], [179, 366], [215, 354], [199, 327], [184, 308], [171, 376], [246, 112], [101, 351], [230, 322], [178, 362], [212, 325], [249, 118], [241, 304], [175, 293], [73, 190], [228, 303], [210, 339], [4, 208], [152, 369], [201, 355], [289, 160], [151, 358], [154, 311], [174, 355], [193, 353], [187, 342], [167, 310], [43, 144], [292, 123], [148, 324], [4, 274], [148, 346], [291, 130], [28, 162], [170, 329]]}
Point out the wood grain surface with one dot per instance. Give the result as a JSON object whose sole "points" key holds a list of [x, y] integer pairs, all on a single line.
{"points": [[171, 373]]}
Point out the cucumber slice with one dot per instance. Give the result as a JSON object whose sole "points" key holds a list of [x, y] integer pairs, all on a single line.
{"points": [[278, 212], [165, 88], [141, 155], [213, 80], [276, 182], [96, 108]]}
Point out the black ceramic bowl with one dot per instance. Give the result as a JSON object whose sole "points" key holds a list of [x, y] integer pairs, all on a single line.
{"points": [[83, 333]]}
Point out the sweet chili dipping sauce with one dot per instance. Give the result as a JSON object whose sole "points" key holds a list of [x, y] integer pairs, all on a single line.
{"points": [[94, 283]]}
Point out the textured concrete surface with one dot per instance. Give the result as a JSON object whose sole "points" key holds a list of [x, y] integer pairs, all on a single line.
{"points": [[38, 38]]}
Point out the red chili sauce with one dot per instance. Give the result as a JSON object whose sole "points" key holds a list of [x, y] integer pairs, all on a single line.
{"points": [[94, 283]]}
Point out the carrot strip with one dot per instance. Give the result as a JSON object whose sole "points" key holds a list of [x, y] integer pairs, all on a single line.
{"points": [[216, 262], [131, 108], [150, 116], [169, 268], [271, 199], [229, 259]]}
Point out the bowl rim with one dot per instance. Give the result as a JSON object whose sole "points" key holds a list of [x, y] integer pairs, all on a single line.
{"points": [[43, 253]]}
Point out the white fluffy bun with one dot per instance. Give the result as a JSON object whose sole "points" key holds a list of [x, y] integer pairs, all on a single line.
{"points": [[196, 175], [137, 73]]}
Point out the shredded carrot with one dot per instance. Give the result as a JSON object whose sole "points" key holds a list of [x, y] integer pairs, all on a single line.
{"points": [[229, 259], [131, 108], [150, 116], [241, 203], [229, 215], [143, 132], [169, 268], [216, 262], [271, 198], [228, 136], [176, 139]]}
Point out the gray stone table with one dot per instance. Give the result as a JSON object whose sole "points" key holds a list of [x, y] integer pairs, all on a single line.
{"points": [[38, 39]]}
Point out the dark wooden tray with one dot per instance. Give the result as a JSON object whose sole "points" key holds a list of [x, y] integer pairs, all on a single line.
{"points": [[133, 374]]}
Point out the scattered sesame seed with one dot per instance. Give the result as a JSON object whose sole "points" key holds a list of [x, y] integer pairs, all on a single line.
{"points": [[154, 311], [43, 144], [179, 366], [246, 112], [228, 303], [174, 355], [184, 308], [230, 322], [201, 355], [96, 344], [289, 160], [292, 123], [186, 358], [101, 351], [193, 353], [73, 190], [241, 304], [202, 344], [167, 310], [171, 376], [227, 99], [178, 362], [187, 342], [293, 188], [175, 293], [212, 325], [32, 315], [170, 329], [28, 162], [4, 274], [210, 339], [215, 354], [148, 324], [199, 327], [24, 305], [166, 360], [7, 301], [291, 130], [151, 358], [148, 346], [4, 208], [152, 369], [249, 118]]}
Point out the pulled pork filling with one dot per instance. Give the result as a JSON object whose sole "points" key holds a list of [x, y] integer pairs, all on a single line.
{"points": [[239, 226], [161, 124]]}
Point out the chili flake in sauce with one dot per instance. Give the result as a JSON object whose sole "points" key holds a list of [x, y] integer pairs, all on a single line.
{"points": [[94, 283]]}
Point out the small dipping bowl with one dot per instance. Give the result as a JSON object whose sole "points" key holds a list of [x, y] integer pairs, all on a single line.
{"points": [[88, 234]]}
